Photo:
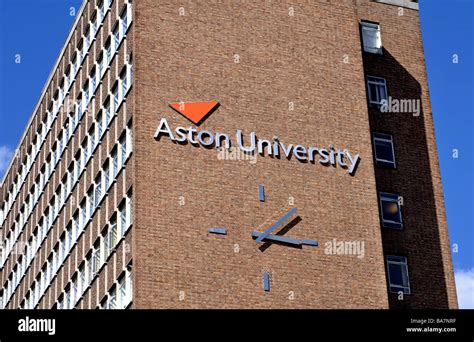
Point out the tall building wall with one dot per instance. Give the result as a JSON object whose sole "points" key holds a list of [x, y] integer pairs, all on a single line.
{"points": [[100, 208], [424, 239], [255, 59]]}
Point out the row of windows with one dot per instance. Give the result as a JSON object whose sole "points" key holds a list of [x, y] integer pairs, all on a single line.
{"points": [[88, 269], [120, 294], [118, 92], [390, 204], [96, 132], [96, 258], [96, 192], [55, 105]]}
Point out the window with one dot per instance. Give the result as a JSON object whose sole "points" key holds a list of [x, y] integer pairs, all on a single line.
{"points": [[88, 38], [92, 204], [116, 37], [114, 162], [100, 64], [122, 292], [108, 115], [62, 251], [86, 93], [123, 218], [108, 51], [102, 9], [82, 285], [75, 224], [377, 88], [100, 126], [78, 166], [112, 237], [123, 149], [106, 176], [397, 270], [74, 294], [79, 107], [93, 81], [83, 214], [384, 151], [81, 51], [94, 23], [69, 238], [390, 210], [115, 93], [92, 138], [371, 38], [95, 258], [123, 78], [113, 298], [98, 189], [124, 20], [85, 149]]}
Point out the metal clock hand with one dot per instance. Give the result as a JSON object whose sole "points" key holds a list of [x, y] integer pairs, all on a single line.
{"points": [[276, 225]]}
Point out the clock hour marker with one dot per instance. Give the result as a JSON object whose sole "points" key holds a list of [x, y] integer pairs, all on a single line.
{"points": [[220, 231], [266, 282], [261, 193]]}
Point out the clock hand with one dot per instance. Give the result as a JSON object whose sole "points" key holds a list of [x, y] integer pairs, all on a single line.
{"points": [[287, 240], [276, 225]]}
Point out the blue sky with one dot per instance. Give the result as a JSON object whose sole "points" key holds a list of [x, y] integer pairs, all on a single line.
{"points": [[36, 30]]}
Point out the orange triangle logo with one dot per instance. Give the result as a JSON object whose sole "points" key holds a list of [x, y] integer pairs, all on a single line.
{"points": [[196, 112]]}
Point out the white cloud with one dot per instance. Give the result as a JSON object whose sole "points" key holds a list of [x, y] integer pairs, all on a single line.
{"points": [[5, 155], [465, 288]]}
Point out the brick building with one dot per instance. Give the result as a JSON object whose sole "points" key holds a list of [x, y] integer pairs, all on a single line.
{"points": [[131, 186]]}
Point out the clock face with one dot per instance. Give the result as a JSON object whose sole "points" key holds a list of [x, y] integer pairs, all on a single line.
{"points": [[273, 233]]}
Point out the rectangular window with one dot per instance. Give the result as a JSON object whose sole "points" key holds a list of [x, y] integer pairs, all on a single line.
{"points": [[98, 189], [100, 65], [62, 243], [115, 93], [85, 149], [86, 93], [78, 167], [79, 107], [108, 52], [397, 269], [94, 82], [116, 37], [69, 238], [75, 224], [94, 24], [106, 177], [113, 299], [112, 234], [123, 78], [96, 258], [390, 206], [384, 151], [92, 138], [114, 162], [124, 20], [81, 51], [123, 149], [100, 126], [371, 38], [83, 214], [108, 115], [123, 218], [377, 88], [92, 204]]}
